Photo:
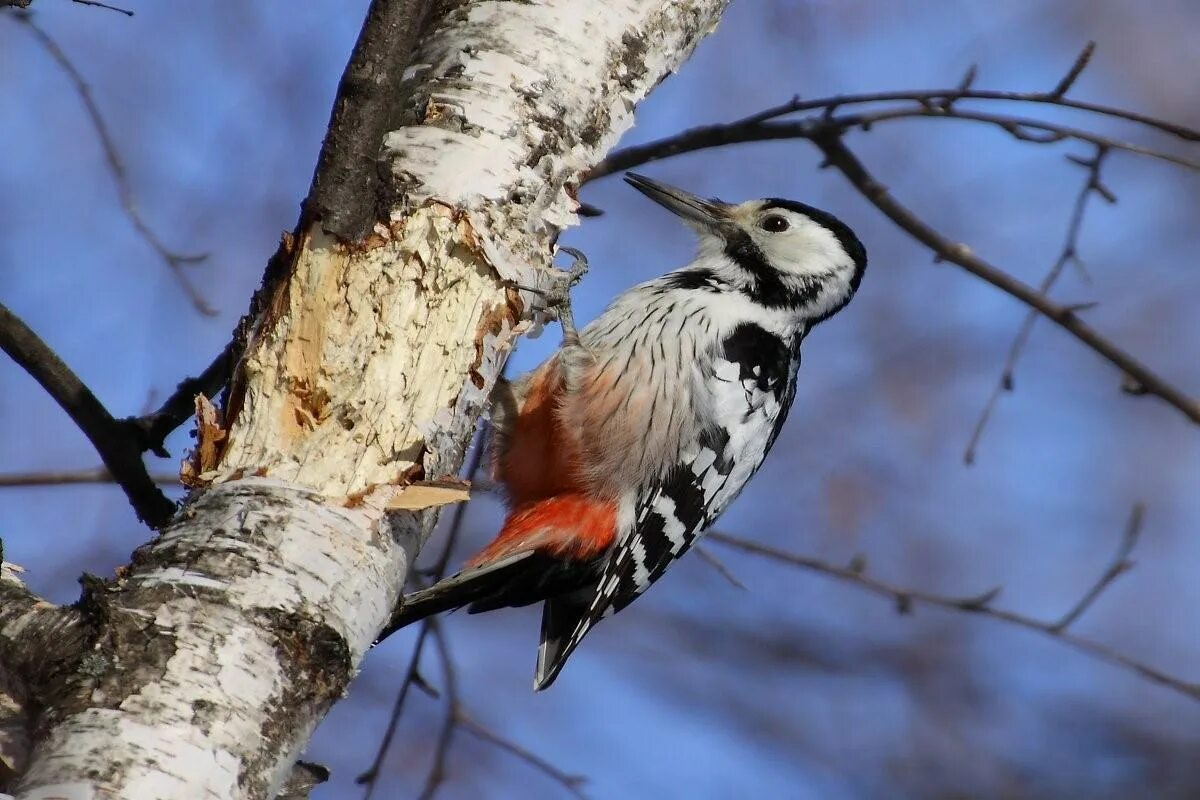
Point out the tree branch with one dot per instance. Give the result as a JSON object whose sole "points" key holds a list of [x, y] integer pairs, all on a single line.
{"points": [[904, 599], [22, 4], [1069, 254], [73, 477], [935, 104], [38, 639], [838, 156], [175, 261], [112, 439], [155, 427], [344, 195]]}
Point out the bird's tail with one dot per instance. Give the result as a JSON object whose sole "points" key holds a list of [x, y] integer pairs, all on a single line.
{"points": [[560, 619], [474, 584]]}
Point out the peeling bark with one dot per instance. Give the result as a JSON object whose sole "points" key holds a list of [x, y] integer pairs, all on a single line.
{"points": [[213, 655]]}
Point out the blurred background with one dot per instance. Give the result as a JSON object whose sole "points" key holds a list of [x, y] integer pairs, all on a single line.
{"points": [[799, 687]]}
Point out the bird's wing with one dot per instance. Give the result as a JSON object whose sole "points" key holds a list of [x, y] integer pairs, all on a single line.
{"points": [[751, 404]]}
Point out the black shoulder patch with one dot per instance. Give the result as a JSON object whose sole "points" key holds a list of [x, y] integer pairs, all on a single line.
{"points": [[763, 358], [768, 287]]}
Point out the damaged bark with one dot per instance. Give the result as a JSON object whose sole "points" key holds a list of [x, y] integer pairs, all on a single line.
{"points": [[205, 665]]}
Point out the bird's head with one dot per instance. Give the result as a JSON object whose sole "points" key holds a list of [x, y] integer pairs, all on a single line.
{"points": [[794, 255]]}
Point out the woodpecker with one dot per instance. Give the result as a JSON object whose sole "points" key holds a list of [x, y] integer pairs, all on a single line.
{"points": [[617, 452]]}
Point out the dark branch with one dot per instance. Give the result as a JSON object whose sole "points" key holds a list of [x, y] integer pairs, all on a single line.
{"points": [[412, 676], [441, 753], [73, 477], [176, 262], [20, 4], [345, 188], [905, 598], [1118, 567], [472, 726], [717, 564], [754, 129], [154, 428], [838, 156], [113, 440], [98, 4], [1074, 72]]}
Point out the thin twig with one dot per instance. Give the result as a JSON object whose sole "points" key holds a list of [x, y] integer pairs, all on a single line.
{"points": [[1069, 254], [571, 783], [840, 157], [932, 103], [175, 261], [740, 132], [905, 598], [113, 440], [963, 91], [441, 753], [1074, 72], [370, 778], [1119, 565], [98, 4], [74, 477], [707, 556]]}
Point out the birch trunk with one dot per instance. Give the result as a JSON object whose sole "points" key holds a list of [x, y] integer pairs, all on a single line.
{"points": [[207, 663]]}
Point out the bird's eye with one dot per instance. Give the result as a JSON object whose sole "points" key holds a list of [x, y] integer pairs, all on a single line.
{"points": [[774, 224]]}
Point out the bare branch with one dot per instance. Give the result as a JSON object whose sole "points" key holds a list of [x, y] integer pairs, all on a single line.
{"points": [[905, 598], [412, 676], [848, 164], [961, 92], [73, 478], [1069, 254], [1119, 566], [1074, 72], [752, 129], [718, 565], [22, 4], [175, 261], [113, 440], [437, 772], [180, 406], [98, 4], [571, 783]]}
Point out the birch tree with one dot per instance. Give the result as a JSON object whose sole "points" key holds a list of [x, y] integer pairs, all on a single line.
{"points": [[460, 132]]}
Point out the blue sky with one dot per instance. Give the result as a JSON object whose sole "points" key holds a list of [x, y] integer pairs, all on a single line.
{"points": [[799, 687]]}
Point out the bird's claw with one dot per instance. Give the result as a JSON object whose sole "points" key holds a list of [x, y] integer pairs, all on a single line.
{"points": [[558, 296]]}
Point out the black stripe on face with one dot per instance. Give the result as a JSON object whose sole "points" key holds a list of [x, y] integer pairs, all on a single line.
{"points": [[767, 287]]}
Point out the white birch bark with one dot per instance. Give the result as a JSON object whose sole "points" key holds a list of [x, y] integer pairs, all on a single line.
{"points": [[225, 641]]}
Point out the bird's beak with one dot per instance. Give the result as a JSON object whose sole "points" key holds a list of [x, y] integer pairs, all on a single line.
{"points": [[705, 215]]}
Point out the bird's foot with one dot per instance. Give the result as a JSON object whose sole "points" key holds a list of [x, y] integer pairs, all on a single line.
{"points": [[558, 296]]}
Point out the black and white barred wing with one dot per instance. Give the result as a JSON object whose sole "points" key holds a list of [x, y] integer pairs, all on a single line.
{"points": [[752, 387]]}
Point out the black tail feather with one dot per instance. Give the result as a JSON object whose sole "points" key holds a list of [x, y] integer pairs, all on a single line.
{"points": [[560, 616], [463, 588]]}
